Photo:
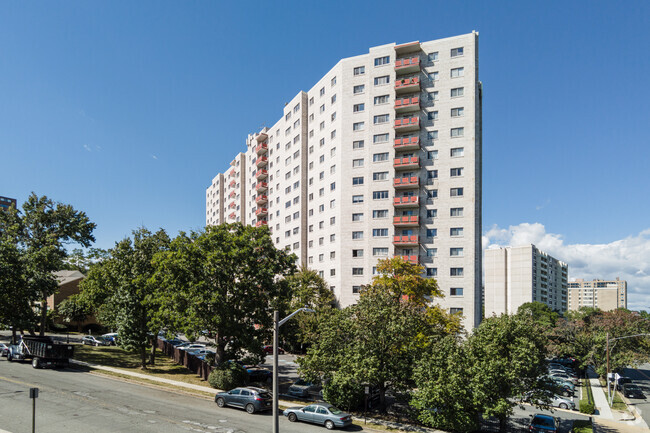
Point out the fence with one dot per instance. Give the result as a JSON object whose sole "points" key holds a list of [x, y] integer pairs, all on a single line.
{"points": [[181, 357]]}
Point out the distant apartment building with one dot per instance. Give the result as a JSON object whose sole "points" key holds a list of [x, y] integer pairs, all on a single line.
{"points": [[602, 294], [6, 202], [380, 158], [517, 275]]}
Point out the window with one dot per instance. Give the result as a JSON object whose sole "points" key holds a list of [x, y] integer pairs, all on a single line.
{"points": [[356, 289], [432, 213], [457, 132], [432, 115], [456, 291], [359, 70], [332, 186], [434, 76], [457, 151], [322, 91], [432, 272], [357, 108], [322, 142], [380, 213], [321, 257], [333, 167], [380, 138], [321, 126], [432, 193], [432, 57], [358, 126], [321, 208], [333, 99], [455, 172], [333, 81], [456, 252], [379, 61], [321, 241], [357, 199], [382, 118], [322, 108], [433, 96], [458, 91], [382, 80], [456, 211], [357, 271], [358, 89], [457, 72], [456, 192], [379, 195], [455, 52], [357, 217], [357, 144], [357, 235], [332, 273], [456, 272], [357, 162], [457, 112], [311, 101], [432, 233], [383, 99], [380, 175], [357, 180], [321, 224], [432, 252], [296, 108], [295, 230], [380, 252], [332, 237], [379, 233], [432, 135], [432, 154], [287, 116], [378, 157], [456, 311], [456, 231], [332, 204], [296, 124], [333, 134], [333, 116]]}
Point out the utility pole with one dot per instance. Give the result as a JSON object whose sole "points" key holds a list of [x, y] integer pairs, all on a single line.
{"points": [[276, 329], [609, 393]]}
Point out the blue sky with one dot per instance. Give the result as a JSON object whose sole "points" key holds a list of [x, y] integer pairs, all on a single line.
{"points": [[128, 109]]}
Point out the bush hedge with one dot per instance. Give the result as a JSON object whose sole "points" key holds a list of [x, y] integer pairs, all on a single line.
{"points": [[227, 376]]}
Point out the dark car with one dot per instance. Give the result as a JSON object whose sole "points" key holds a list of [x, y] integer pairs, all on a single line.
{"points": [[257, 374], [631, 390], [95, 341], [622, 380], [321, 414], [540, 423], [269, 350], [249, 398]]}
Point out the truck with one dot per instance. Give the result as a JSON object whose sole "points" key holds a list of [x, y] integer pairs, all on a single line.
{"points": [[43, 352]]}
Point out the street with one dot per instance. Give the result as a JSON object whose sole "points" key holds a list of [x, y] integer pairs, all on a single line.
{"points": [[78, 402], [641, 376]]}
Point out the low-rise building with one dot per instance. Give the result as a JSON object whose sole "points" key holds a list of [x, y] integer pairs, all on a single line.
{"points": [[605, 295], [6, 202]]}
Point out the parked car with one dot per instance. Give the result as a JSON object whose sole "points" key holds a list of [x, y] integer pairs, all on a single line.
{"points": [[554, 400], [302, 388], [540, 423], [111, 338], [631, 390], [4, 349], [250, 398], [257, 374], [321, 414], [176, 342], [563, 387], [564, 376], [622, 380], [269, 350], [95, 341], [191, 346]]}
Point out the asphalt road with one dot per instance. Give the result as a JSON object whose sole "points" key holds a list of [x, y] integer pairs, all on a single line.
{"points": [[641, 376], [78, 402]]}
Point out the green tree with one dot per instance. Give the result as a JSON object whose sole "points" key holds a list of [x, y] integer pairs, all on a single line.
{"points": [[225, 280], [540, 312], [73, 310], [80, 260]]}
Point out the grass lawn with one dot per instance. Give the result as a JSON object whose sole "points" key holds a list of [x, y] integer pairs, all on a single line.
{"points": [[112, 356], [582, 426], [618, 403]]}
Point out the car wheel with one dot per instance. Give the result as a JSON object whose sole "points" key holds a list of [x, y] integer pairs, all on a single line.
{"points": [[293, 417], [9, 357], [250, 408], [563, 406], [329, 425], [220, 402], [36, 363], [96, 344]]}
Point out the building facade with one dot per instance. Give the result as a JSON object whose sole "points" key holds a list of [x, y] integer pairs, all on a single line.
{"points": [[602, 294], [517, 275], [6, 203], [380, 158]]}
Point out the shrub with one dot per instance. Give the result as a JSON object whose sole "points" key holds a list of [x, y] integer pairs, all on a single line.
{"points": [[587, 407], [227, 376], [343, 392]]}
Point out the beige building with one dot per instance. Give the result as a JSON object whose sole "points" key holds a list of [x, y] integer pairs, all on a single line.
{"points": [[517, 275], [602, 294], [380, 158]]}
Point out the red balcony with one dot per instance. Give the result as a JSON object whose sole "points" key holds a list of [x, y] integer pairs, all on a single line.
{"points": [[232, 173], [261, 223], [261, 161], [232, 183], [232, 205], [408, 64], [407, 124], [405, 105], [406, 240], [407, 143], [261, 186], [232, 216], [261, 199], [406, 182], [411, 84], [412, 201], [408, 162], [406, 221], [411, 47], [261, 174], [232, 194], [261, 211], [262, 136], [411, 259], [261, 148]]}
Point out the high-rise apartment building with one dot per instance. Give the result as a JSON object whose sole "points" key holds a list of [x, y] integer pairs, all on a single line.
{"points": [[517, 275], [603, 294], [6, 202], [380, 158]]}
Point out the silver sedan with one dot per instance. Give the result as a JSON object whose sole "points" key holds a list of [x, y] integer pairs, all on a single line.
{"points": [[321, 414]]}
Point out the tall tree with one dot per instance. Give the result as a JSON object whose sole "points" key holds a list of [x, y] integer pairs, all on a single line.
{"points": [[225, 280]]}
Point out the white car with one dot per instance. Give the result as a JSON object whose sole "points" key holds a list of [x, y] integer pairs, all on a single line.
{"points": [[4, 349], [192, 347]]}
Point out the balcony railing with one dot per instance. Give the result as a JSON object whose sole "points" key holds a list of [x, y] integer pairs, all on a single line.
{"points": [[406, 182], [232, 205], [261, 199], [407, 143], [261, 148], [262, 136], [406, 220], [261, 223], [408, 64], [411, 47], [410, 201], [410, 84], [232, 183], [408, 162], [232, 194], [261, 186], [410, 259], [403, 105], [407, 123], [232, 215], [261, 174], [406, 240], [261, 211], [261, 161]]}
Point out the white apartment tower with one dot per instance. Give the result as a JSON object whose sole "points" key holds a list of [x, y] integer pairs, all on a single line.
{"points": [[606, 295], [380, 158], [517, 275]]}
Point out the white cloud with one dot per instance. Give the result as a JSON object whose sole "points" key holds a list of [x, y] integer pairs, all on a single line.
{"points": [[627, 258], [154, 156], [87, 148]]}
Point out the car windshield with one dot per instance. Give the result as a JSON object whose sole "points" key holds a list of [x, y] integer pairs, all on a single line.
{"points": [[335, 410], [301, 383], [634, 387], [543, 421]]}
